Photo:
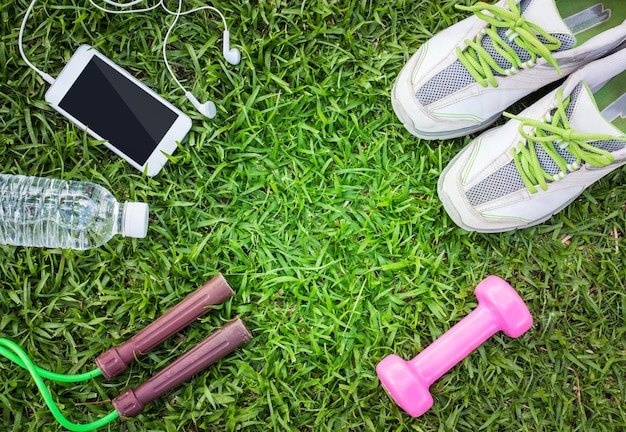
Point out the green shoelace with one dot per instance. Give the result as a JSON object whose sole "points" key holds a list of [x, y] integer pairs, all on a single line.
{"points": [[553, 131], [481, 65]]}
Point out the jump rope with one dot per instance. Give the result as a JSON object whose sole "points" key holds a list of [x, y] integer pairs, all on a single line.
{"points": [[131, 402]]}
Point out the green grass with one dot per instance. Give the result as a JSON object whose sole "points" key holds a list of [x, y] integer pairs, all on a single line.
{"points": [[321, 211]]}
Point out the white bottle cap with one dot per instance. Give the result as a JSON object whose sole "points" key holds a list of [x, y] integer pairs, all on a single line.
{"points": [[135, 219]]}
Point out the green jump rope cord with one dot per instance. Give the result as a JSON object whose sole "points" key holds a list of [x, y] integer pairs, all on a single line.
{"points": [[17, 355]]}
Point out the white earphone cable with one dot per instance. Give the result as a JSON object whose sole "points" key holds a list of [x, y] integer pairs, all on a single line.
{"points": [[20, 41], [198, 9], [177, 14], [121, 5], [167, 35], [49, 79], [160, 3], [127, 5]]}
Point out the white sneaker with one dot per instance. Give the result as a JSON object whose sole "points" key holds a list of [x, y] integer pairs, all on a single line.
{"points": [[519, 174], [462, 79]]}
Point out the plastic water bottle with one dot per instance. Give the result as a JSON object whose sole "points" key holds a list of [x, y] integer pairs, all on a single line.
{"points": [[44, 212]]}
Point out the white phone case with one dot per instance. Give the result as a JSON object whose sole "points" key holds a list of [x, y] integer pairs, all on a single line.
{"points": [[166, 145]]}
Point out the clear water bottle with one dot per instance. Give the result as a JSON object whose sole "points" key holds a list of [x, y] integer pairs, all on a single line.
{"points": [[44, 212]]}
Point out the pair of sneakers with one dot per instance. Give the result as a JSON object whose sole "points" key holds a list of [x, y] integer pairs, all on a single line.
{"points": [[461, 80]]}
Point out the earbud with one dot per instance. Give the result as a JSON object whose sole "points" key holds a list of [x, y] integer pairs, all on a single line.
{"points": [[207, 109], [232, 55]]}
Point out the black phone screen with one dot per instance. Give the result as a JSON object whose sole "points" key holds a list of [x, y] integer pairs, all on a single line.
{"points": [[118, 110]]}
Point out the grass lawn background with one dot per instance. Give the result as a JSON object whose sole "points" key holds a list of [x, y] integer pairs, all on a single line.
{"points": [[321, 211]]}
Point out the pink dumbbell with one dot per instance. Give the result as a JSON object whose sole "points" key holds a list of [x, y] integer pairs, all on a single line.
{"points": [[499, 308]]}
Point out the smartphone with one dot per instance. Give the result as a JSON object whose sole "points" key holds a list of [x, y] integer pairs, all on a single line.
{"points": [[115, 107]]}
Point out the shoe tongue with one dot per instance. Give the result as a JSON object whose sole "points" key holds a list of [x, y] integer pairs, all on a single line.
{"points": [[542, 13], [583, 116], [546, 15]]}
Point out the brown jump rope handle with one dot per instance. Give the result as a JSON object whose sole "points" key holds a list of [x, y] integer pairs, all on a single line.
{"points": [[222, 342], [117, 359]]}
